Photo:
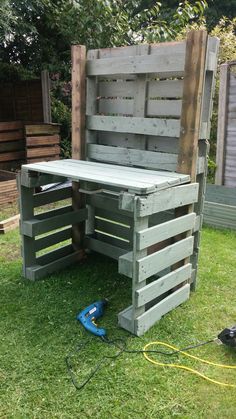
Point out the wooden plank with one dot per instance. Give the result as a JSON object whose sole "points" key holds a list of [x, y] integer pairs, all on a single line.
{"points": [[192, 99], [78, 58], [165, 89], [34, 179], [11, 136], [12, 146], [46, 102], [156, 262], [135, 125], [170, 108], [109, 204], [150, 317], [120, 217], [14, 155], [221, 194], [132, 157], [104, 248], [165, 65], [41, 129], [42, 140], [158, 233], [163, 284], [162, 144], [116, 106], [42, 151], [170, 198], [39, 226], [51, 239], [48, 197], [222, 122], [26, 213], [118, 88], [11, 126], [118, 230], [54, 255], [9, 224], [35, 272], [119, 139]]}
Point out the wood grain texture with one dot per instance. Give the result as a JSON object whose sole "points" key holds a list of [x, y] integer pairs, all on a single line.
{"points": [[78, 58], [192, 100]]}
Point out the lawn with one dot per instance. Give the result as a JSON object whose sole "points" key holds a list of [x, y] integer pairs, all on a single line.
{"points": [[38, 329]]}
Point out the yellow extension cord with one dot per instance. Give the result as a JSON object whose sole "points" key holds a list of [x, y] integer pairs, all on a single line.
{"points": [[183, 367]]}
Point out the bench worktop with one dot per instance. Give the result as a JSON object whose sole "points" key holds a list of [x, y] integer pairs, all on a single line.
{"points": [[139, 181]]}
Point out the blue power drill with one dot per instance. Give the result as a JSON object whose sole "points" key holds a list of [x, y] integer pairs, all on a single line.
{"points": [[90, 314]]}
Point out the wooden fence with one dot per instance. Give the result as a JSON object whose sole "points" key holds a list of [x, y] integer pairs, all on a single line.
{"points": [[27, 143], [220, 207], [26, 100], [226, 133]]}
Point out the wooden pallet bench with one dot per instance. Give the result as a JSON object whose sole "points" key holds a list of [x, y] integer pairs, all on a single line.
{"points": [[140, 121]]}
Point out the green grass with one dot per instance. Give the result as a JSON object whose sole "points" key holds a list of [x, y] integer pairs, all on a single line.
{"points": [[38, 328]]}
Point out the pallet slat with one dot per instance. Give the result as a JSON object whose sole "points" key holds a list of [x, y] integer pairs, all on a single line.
{"points": [[156, 262], [134, 125]]}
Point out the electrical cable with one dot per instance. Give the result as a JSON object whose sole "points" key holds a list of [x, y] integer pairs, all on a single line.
{"points": [[183, 367], [146, 352]]}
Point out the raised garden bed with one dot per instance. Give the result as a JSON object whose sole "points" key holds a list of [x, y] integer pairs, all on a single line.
{"points": [[8, 188]]}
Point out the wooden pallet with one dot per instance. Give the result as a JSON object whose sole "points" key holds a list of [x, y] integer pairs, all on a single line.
{"points": [[9, 224], [138, 194]]}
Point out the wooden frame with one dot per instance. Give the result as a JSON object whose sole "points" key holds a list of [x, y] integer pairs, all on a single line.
{"points": [[147, 220]]}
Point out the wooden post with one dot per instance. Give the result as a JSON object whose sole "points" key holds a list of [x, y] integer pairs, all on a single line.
{"points": [[190, 123], [196, 46], [45, 82], [78, 59], [222, 122]]}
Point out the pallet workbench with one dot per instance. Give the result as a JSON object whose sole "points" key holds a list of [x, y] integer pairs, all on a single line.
{"points": [[138, 172]]}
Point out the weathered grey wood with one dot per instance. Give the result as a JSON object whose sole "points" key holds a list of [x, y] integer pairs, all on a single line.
{"points": [[135, 125], [118, 88], [113, 241], [158, 233], [48, 197], [120, 139], [170, 108], [109, 175], [36, 226], [222, 121], [171, 65], [163, 284], [52, 239], [34, 179], [221, 194], [162, 144], [117, 217], [27, 212], [170, 198], [192, 100], [137, 282], [54, 255], [165, 89], [132, 157], [125, 319], [118, 230], [129, 51], [104, 248], [150, 317], [124, 88], [111, 205], [35, 272], [156, 262]]}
